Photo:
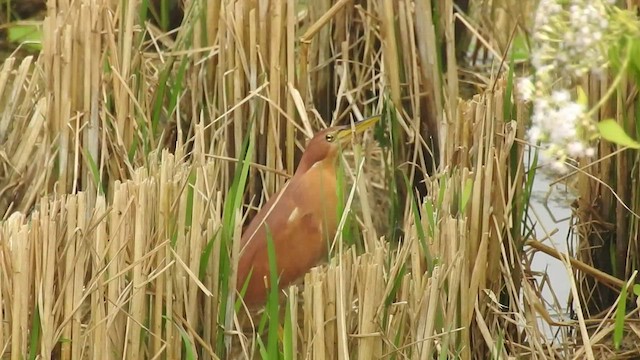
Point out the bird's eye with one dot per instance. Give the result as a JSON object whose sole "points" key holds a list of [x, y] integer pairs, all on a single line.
{"points": [[330, 137]]}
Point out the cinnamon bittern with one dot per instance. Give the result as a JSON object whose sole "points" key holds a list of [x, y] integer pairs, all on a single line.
{"points": [[301, 219]]}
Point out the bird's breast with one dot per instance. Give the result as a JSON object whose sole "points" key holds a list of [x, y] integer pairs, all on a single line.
{"points": [[320, 195]]}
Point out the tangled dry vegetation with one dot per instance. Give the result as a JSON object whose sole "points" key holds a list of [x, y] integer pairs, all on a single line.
{"points": [[122, 139]]}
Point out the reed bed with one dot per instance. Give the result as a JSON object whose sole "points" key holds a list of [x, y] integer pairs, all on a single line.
{"points": [[132, 150], [131, 276]]}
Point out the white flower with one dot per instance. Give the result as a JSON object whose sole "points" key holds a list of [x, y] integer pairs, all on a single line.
{"points": [[559, 166], [534, 134], [561, 96], [570, 39], [575, 148], [526, 89], [589, 152], [571, 112]]}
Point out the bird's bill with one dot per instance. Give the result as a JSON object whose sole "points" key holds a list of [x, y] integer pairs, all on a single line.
{"points": [[358, 127]]}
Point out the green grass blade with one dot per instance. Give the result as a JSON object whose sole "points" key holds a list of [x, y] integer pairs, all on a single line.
{"points": [[422, 238], [347, 229], [262, 349], [272, 300], [190, 193], [621, 312], [243, 291], [189, 348], [34, 335], [206, 255], [232, 203], [288, 336], [95, 172], [507, 101], [164, 14], [466, 195], [497, 353]]}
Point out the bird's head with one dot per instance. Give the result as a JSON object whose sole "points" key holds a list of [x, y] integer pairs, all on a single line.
{"points": [[326, 143]]}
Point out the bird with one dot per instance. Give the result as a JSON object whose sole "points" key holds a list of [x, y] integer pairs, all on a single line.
{"points": [[301, 218]]}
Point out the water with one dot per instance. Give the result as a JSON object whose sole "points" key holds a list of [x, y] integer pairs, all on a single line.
{"points": [[551, 210]]}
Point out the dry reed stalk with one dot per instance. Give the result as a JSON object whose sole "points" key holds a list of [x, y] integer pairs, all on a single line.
{"points": [[79, 276], [69, 348], [293, 309], [330, 315], [131, 284], [119, 232], [124, 309], [197, 227], [232, 276], [9, 106], [342, 288], [19, 272], [211, 304], [274, 155], [4, 294], [366, 209], [170, 187], [606, 212], [472, 250], [253, 84], [453, 91], [122, 60], [579, 314], [290, 48], [307, 318], [235, 15], [24, 154], [429, 309], [428, 50], [92, 60], [370, 344], [318, 315], [137, 309], [98, 321], [179, 284], [458, 281], [390, 50]]}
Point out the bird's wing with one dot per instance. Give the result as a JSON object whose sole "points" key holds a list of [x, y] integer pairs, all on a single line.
{"points": [[283, 204], [298, 242]]}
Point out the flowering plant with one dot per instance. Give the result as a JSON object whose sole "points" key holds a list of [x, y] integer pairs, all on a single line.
{"points": [[572, 38]]}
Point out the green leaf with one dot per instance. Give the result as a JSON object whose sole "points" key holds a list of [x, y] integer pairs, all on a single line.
{"points": [[186, 342], [288, 337], [636, 289], [466, 194], [272, 299], [519, 48], [507, 107], [634, 52], [232, 203], [205, 255], [34, 336], [191, 188], [381, 135], [582, 97], [612, 131], [95, 172], [26, 33], [621, 311], [422, 238]]}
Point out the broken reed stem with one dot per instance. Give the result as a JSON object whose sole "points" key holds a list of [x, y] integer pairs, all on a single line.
{"points": [[577, 264], [134, 272], [148, 288]]}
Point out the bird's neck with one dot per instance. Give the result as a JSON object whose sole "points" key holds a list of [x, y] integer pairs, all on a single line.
{"points": [[306, 164], [321, 179]]}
